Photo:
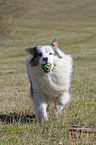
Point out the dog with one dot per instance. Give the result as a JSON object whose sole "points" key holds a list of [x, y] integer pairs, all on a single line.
{"points": [[49, 71]]}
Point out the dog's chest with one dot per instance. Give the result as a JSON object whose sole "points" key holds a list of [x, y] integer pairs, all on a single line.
{"points": [[47, 85]]}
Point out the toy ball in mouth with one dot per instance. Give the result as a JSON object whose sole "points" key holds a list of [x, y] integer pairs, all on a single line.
{"points": [[46, 67]]}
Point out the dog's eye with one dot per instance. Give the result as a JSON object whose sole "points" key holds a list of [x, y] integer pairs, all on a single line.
{"points": [[51, 53], [40, 54]]}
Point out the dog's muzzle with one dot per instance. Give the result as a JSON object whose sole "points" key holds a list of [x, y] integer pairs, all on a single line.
{"points": [[46, 67]]}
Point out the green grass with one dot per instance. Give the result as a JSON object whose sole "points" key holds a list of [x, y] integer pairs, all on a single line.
{"points": [[73, 24]]}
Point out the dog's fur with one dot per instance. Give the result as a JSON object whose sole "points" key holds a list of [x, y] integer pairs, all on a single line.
{"points": [[51, 85]]}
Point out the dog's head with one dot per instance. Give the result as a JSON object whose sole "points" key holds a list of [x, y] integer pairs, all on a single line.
{"points": [[44, 56]]}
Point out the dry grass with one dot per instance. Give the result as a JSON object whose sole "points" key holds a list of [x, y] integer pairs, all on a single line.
{"points": [[72, 23]]}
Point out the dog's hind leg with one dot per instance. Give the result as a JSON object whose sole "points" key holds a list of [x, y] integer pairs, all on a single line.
{"points": [[64, 99], [31, 90], [28, 67]]}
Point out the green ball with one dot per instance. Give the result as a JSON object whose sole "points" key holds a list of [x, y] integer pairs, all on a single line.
{"points": [[46, 66]]}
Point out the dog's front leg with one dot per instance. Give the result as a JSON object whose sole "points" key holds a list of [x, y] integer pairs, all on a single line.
{"points": [[40, 107], [64, 99]]}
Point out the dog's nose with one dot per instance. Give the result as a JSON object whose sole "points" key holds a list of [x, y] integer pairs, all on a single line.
{"points": [[45, 59]]}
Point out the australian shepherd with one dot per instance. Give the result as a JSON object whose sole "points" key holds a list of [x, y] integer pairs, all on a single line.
{"points": [[49, 71]]}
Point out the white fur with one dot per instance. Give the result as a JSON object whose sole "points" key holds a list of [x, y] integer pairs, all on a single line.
{"points": [[51, 87]]}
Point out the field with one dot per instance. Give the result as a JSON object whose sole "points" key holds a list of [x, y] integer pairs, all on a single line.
{"points": [[73, 24]]}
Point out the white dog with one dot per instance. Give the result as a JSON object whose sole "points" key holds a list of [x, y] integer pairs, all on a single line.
{"points": [[49, 71]]}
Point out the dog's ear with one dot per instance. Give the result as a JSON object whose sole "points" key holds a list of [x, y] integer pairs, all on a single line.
{"points": [[31, 50], [54, 44]]}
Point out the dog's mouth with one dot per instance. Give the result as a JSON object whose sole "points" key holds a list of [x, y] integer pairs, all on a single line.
{"points": [[46, 67]]}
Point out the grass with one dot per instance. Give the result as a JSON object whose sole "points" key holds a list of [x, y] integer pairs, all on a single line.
{"points": [[73, 24]]}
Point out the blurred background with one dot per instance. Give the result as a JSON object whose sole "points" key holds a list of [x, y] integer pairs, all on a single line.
{"points": [[44, 12]]}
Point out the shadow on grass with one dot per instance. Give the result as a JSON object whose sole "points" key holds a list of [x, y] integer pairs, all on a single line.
{"points": [[20, 118]]}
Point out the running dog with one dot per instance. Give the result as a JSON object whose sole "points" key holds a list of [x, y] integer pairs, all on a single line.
{"points": [[49, 71]]}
